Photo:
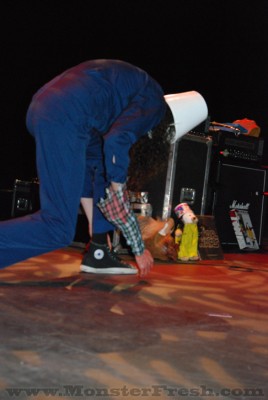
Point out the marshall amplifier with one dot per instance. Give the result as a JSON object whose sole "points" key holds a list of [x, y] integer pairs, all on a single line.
{"points": [[239, 187], [184, 179]]}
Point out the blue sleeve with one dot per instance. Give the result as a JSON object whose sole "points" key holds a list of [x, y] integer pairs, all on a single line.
{"points": [[143, 113]]}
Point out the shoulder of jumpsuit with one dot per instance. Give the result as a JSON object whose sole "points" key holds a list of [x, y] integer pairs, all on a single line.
{"points": [[126, 81], [133, 102]]}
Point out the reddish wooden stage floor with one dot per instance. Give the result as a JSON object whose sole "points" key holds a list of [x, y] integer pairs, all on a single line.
{"points": [[185, 331]]}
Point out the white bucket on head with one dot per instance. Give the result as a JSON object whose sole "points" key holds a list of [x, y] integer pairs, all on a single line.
{"points": [[189, 109]]}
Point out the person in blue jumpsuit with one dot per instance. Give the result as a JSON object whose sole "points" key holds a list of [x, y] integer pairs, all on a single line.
{"points": [[84, 122]]}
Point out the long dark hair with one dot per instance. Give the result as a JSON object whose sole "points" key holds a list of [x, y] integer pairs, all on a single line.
{"points": [[148, 156]]}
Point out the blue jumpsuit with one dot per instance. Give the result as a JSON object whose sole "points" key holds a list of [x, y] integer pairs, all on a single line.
{"points": [[84, 122]]}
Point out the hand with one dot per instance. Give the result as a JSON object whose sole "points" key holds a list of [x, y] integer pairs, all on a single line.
{"points": [[145, 262]]}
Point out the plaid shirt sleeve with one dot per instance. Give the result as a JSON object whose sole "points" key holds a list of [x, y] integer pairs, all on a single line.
{"points": [[116, 209]]}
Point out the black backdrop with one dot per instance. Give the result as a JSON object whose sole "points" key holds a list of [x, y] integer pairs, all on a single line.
{"points": [[217, 48]]}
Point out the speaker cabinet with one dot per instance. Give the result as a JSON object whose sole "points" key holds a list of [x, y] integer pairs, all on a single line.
{"points": [[25, 198], [185, 178], [239, 187]]}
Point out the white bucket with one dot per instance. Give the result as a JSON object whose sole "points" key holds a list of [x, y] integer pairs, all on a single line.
{"points": [[189, 109]]}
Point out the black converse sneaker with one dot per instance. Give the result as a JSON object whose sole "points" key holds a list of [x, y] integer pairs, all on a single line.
{"points": [[101, 260]]}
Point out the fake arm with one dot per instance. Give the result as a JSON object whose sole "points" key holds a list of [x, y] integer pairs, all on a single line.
{"points": [[117, 210]]}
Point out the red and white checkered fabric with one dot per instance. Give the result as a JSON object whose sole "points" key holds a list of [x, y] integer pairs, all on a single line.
{"points": [[116, 208]]}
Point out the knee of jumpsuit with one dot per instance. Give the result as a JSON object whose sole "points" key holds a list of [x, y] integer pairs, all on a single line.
{"points": [[58, 231]]}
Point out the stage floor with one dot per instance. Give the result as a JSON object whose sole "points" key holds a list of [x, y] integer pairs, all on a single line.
{"points": [[192, 330]]}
